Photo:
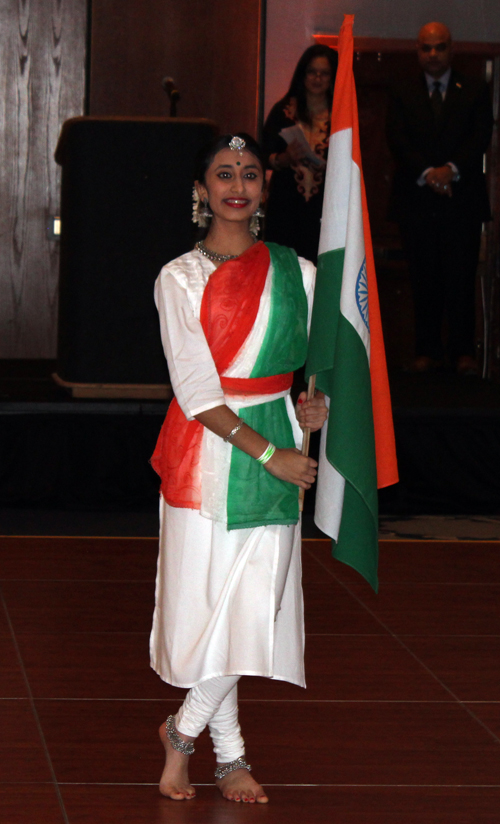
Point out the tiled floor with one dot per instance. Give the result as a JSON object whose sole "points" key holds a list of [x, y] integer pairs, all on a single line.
{"points": [[440, 527], [400, 722]]}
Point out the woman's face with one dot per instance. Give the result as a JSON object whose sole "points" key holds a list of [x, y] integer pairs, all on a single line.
{"points": [[318, 76], [233, 185]]}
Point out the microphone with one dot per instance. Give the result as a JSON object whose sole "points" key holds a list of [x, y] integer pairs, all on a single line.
{"points": [[169, 87]]}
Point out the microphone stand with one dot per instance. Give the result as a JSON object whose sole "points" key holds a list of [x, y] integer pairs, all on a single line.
{"points": [[169, 87]]}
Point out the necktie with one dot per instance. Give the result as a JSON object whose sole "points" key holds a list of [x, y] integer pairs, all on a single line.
{"points": [[437, 99]]}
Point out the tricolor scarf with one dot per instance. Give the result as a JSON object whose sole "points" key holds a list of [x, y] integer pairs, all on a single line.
{"points": [[229, 310]]}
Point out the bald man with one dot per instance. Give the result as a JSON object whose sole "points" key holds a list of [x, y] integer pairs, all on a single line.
{"points": [[438, 127]]}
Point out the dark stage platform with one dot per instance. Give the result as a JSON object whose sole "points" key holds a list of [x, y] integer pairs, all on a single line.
{"points": [[58, 453]]}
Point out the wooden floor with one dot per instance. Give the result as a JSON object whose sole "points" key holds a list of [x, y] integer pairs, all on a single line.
{"points": [[400, 723]]}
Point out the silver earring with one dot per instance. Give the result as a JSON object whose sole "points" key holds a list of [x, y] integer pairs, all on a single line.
{"points": [[254, 227], [204, 213], [201, 211]]}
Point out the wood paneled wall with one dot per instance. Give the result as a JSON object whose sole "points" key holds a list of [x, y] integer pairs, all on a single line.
{"points": [[41, 85], [211, 49]]}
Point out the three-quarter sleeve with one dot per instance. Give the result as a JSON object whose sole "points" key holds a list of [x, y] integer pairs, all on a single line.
{"points": [[193, 375]]}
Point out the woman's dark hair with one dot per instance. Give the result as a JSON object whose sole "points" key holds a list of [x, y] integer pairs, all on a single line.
{"points": [[208, 152], [297, 88]]}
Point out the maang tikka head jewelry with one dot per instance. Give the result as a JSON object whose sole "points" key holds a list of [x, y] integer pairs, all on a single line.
{"points": [[201, 210], [237, 144]]}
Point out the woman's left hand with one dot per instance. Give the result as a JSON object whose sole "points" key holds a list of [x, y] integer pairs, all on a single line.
{"points": [[311, 414]]}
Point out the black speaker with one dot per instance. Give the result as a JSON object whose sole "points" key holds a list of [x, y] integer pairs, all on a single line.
{"points": [[125, 211]]}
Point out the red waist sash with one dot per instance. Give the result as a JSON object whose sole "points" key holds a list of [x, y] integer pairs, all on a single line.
{"points": [[257, 386]]}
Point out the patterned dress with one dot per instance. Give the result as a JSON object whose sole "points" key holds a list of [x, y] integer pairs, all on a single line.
{"points": [[295, 202]]}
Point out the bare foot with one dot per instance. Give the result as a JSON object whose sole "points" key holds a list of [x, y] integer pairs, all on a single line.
{"points": [[174, 782], [239, 785]]}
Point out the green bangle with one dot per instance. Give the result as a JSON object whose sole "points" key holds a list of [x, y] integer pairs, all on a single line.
{"points": [[267, 454]]}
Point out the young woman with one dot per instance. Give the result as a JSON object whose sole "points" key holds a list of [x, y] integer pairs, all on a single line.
{"points": [[233, 315], [295, 200]]}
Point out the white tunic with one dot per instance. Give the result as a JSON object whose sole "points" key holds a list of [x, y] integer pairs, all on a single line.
{"points": [[215, 603]]}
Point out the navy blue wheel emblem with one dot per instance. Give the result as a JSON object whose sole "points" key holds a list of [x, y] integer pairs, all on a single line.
{"points": [[362, 294]]}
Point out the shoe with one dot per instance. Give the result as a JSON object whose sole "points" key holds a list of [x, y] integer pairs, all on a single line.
{"points": [[423, 363], [466, 365]]}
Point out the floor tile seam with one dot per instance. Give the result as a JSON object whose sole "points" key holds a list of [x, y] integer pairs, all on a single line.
{"points": [[386, 584], [382, 538], [346, 634], [416, 658], [77, 580], [422, 584], [434, 540], [85, 537], [147, 633], [446, 539], [410, 583], [349, 701], [444, 635], [35, 634], [34, 712], [264, 700], [26, 783], [413, 540], [396, 634], [268, 784]]}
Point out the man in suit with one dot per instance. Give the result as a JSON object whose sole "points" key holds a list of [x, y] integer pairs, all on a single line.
{"points": [[439, 126]]}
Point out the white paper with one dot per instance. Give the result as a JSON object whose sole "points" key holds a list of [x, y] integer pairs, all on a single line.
{"points": [[291, 133]]}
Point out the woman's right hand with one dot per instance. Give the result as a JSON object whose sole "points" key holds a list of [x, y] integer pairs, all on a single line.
{"points": [[290, 465]]}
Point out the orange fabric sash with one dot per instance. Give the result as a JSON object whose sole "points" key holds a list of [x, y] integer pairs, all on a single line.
{"points": [[228, 312]]}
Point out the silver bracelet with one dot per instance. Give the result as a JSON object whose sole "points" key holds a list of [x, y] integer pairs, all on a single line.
{"points": [[267, 454], [233, 431]]}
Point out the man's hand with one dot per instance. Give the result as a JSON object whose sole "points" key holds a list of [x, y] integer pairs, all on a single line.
{"points": [[439, 180]]}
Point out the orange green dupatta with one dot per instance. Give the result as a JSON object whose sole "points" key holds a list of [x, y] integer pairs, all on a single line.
{"points": [[229, 310]]}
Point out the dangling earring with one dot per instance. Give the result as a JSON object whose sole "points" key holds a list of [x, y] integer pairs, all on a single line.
{"points": [[201, 211], [204, 214], [254, 227]]}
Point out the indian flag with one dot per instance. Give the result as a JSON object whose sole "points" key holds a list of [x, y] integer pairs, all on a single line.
{"points": [[346, 348]]}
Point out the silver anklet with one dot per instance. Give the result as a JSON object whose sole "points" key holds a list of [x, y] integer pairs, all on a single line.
{"points": [[185, 747], [225, 769]]}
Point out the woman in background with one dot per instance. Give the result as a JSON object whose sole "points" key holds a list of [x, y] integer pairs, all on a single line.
{"points": [[295, 201], [234, 316]]}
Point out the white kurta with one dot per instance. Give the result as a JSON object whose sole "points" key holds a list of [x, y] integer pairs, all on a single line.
{"points": [[215, 602]]}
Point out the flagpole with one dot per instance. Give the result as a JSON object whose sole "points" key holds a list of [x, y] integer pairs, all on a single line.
{"points": [[306, 437]]}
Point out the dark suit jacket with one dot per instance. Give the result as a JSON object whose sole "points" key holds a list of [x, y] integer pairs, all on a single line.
{"points": [[417, 142]]}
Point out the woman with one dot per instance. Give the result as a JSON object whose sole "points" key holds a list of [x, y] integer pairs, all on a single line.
{"points": [[233, 317], [295, 201]]}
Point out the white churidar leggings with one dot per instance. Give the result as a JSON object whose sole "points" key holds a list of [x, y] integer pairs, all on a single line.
{"points": [[215, 702]]}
